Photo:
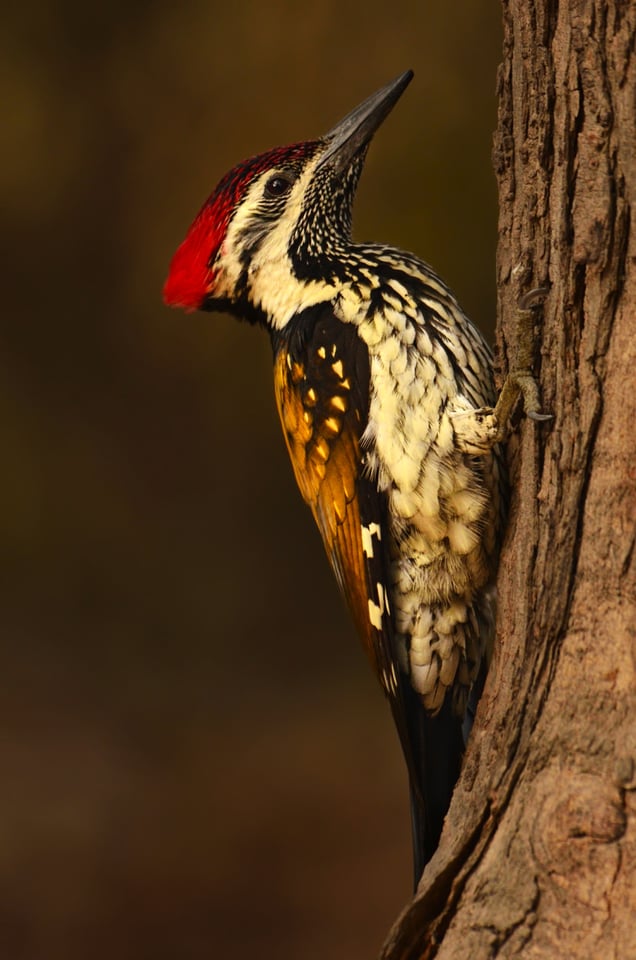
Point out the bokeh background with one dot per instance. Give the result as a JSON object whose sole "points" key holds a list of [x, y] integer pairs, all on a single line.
{"points": [[196, 761]]}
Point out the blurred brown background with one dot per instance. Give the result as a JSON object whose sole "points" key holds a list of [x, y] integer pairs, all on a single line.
{"points": [[196, 761]]}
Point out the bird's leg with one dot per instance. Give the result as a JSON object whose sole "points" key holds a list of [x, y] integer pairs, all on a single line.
{"points": [[520, 381], [478, 430]]}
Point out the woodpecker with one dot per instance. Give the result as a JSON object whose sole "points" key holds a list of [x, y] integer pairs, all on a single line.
{"points": [[386, 398]]}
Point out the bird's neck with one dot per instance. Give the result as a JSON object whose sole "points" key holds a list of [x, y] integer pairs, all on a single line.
{"points": [[273, 291]]}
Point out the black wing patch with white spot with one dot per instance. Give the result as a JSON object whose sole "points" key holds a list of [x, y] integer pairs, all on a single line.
{"points": [[322, 391]]}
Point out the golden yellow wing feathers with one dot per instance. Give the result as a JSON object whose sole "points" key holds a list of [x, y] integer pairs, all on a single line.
{"points": [[322, 434]]}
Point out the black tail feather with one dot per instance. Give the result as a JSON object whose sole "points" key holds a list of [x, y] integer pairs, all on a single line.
{"points": [[437, 744]]}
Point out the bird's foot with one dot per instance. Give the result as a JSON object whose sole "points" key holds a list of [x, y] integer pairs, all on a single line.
{"points": [[520, 381]]}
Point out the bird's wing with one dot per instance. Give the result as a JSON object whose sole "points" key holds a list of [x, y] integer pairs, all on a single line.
{"points": [[321, 380], [321, 383]]}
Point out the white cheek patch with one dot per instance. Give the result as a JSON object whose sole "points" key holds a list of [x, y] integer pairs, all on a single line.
{"points": [[273, 286]]}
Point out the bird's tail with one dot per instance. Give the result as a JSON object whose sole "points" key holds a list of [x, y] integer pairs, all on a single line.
{"points": [[439, 744]]}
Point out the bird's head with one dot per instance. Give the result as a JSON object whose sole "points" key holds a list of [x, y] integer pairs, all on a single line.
{"points": [[265, 242]]}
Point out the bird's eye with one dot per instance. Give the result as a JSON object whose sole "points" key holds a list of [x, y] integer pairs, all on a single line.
{"points": [[277, 186]]}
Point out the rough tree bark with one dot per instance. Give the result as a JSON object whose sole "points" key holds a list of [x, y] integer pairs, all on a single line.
{"points": [[538, 854]]}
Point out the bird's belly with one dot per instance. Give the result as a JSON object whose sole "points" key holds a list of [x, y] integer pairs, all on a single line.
{"points": [[441, 568], [442, 612], [442, 509]]}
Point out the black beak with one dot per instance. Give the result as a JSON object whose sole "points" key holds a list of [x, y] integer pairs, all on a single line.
{"points": [[357, 128]]}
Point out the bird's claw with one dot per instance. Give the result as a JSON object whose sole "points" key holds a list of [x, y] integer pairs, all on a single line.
{"points": [[520, 380], [533, 298]]}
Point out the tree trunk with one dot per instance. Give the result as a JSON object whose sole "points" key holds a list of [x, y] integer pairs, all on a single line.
{"points": [[538, 854]]}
